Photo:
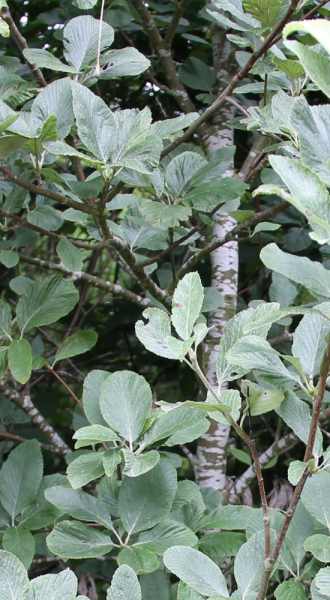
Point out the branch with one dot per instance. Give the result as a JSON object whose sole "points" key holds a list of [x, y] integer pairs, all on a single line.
{"points": [[97, 282], [24, 402], [254, 156], [222, 98], [170, 33], [18, 438], [231, 235], [21, 43], [65, 385], [46, 192]]}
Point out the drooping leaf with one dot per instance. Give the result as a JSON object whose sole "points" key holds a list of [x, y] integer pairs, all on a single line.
{"points": [[75, 344], [20, 477], [20, 360], [144, 501], [111, 458], [300, 528], [71, 539], [309, 343], [70, 256], [14, 581], [248, 564], [45, 301], [296, 469], [187, 304], [196, 570], [19, 542], [124, 585], [296, 414], [125, 402]]}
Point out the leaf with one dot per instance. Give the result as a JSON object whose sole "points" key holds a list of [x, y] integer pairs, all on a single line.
{"points": [[169, 127], [123, 63], [296, 414], [165, 535], [227, 517], [41, 513], [221, 543], [5, 319], [85, 468], [91, 395], [55, 99], [315, 497], [164, 215], [196, 570], [20, 360], [249, 563], [70, 256], [124, 585], [319, 546], [84, 4], [300, 528], [45, 301], [197, 75], [154, 334], [47, 60], [111, 458], [125, 402], [310, 274], [9, 258], [46, 217], [168, 424], [181, 170], [309, 344], [241, 456], [212, 299], [266, 11], [318, 28], [20, 477], [79, 505], [62, 586], [296, 470], [10, 144], [19, 284], [14, 581], [94, 434], [187, 303], [282, 290], [144, 501], [155, 585], [322, 581], [80, 40], [292, 68], [19, 542], [266, 227], [95, 121], [66, 150], [315, 64], [137, 465], [139, 559], [291, 589], [75, 344], [71, 539]]}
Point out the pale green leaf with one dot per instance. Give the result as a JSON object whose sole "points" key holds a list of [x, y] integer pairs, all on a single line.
{"points": [[309, 344], [71, 539], [181, 170], [124, 585], [75, 344], [80, 38], [265, 227], [70, 256], [296, 414], [14, 581], [10, 144], [221, 543], [165, 129], [187, 303], [154, 334], [91, 395], [315, 64], [227, 517], [9, 258], [20, 477], [125, 402], [266, 11], [46, 217], [197, 75], [291, 589], [85, 468], [315, 497], [164, 215], [295, 471], [196, 570], [168, 424], [318, 28], [84, 4], [79, 505], [319, 546], [20, 360], [165, 535], [41, 513], [47, 60], [55, 99], [123, 63], [59, 147], [19, 542], [62, 586], [94, 434], [137, 465], [249, 564], [322, 581], [140, 559], [5, 319]]}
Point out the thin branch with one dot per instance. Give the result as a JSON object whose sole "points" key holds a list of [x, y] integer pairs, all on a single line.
{"points": [[97, 282], [222, 98], [46, 192], [22, 44], [65, 385], [171, 30], [24, 402], [18, 438]]}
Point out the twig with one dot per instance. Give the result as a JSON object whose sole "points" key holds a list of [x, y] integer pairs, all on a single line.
{"points": [[171, 30], [65, 385], [17, 438]]}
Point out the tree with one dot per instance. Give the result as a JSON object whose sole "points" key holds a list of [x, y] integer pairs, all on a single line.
{"points": [[121, 181]]}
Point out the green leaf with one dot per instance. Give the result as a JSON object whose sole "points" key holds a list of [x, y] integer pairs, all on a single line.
{"points": [[154, 334], [319, 29], [266, 11], [125, 402], [292, 68], [310, 274], [41, 513], [322, 581], [4, 28], [221, 543], [19, 542], [46, 217], [70, 256], [319, 546], [62, 586], [171, 423], [165, 535], [144, 501], [9, 258], [139, 559], [71, 539], [227, 517], [95, 121], [85, 468], [291, 589], [19, 284], [47, 60], [309, 344], [315, 497], [63, 148], [196, 570], [296, 470], [164, 215], [94, 434], [265, 227], [212, 299], [187, 303], [80, 39], [79, 505], [169, 127], [75, 344], [14, 581], [300, 528], [296, 414], [315, 64], [20, 360], [282, 290], [55, 99], [5, 319], [84, 4], [10, 144], [181, 170], [259, 400], [20, 477], [91, 395], [45, 301], [123, 63], [249, 564], [124, 585], [241, 456], [197, 75], [155, 585], [137, 465], [111, 458]]}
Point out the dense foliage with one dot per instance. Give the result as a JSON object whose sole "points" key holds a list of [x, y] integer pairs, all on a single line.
{"points": [[120, 355]]}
